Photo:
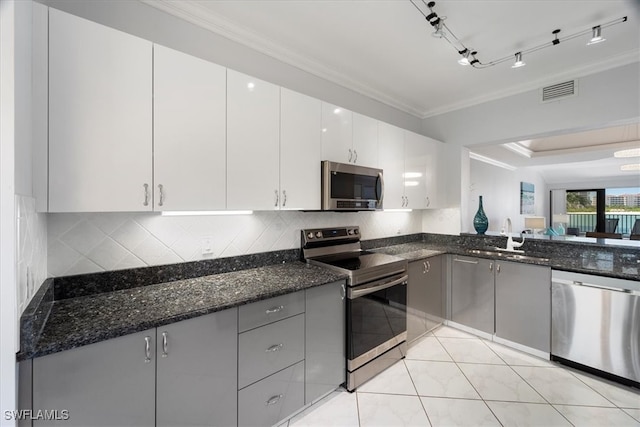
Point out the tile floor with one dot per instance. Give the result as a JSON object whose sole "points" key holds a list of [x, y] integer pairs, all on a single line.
{"points": [[451, 378]]}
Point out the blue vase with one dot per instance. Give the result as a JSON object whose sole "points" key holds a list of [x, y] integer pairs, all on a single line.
{"points": [[480, 221]]}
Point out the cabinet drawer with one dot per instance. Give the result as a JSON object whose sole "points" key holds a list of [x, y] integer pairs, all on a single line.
{"points": [[268, 349], [272, 399], [270, 310]]}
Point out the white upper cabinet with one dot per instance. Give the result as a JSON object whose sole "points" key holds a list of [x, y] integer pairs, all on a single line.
{"points": [[349, 137], [300, 151], [189, 149], [337, 133], [391, 161], [253, 137], [416, 159], [100, 117], [365, 141]]}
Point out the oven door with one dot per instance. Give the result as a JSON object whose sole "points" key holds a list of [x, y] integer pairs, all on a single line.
{"points": [[376, 319]]}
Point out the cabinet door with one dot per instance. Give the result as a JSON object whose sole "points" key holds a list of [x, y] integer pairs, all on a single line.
{"points": [[253, 140], [365, 141], [100, 115], [523, 304], [391, 161], [415, 170], [416, 301], [197, 371], [434, 184], [189, 102], [472, 293], [325, 340], [300, 151], [435, 303], [107, 383], [337, 134]]}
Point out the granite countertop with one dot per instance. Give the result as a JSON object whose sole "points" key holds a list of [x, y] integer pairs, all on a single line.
{"points": [[587, 260], [74, 322]]}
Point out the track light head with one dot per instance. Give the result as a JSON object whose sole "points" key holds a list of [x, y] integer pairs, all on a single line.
{"points": [[519, 62], [596, 36], [465, 57]]}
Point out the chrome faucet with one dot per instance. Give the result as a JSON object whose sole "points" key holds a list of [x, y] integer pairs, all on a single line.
{"points": [[511, 245]]}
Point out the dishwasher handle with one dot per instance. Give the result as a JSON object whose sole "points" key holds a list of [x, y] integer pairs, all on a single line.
{"points": [[592, 285]]}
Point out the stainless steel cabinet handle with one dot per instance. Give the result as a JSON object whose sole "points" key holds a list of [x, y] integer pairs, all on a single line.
{"points": [[161, 191], [276, 347], [498, 268], [277, 198], [350, 155], [284, 198], [147, 349], [146, 194], [465, 261], [424, 267], [428, 267], [428, 201], [355, 159], [273, 400], [274, 309], [343, 292], [407, 200], [490, 266], [165, 344]]}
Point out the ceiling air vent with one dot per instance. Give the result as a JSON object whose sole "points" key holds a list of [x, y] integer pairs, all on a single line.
{"points": [[560, 90]]}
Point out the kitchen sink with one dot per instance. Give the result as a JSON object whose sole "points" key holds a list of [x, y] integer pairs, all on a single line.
{"points": [[507, 255]]}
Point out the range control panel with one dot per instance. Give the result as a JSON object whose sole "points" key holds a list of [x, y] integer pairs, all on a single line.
{"points": [[330, 234]]}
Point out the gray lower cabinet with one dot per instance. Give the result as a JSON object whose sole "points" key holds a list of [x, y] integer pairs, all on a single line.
{"points": [[196, 370], [325, 340], [270, 348], [523, 304], [180, 374], [111, 383], [425, 296], [273, 398], [472, 292]]}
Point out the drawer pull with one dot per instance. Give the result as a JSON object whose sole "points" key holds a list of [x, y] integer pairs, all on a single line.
{"points": [[273, 348], [275, 309], [274, 400]]}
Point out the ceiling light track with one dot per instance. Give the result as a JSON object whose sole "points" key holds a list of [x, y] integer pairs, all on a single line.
{"points": [[468, 55]]}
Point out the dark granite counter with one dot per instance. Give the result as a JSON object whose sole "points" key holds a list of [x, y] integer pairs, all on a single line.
{"points": [[74, 322], [621, 262], [73, 311]]}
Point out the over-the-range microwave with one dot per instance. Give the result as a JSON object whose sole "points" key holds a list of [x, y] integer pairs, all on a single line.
{"points": [[348, 187]]}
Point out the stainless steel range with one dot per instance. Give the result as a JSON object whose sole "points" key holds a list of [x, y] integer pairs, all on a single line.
{"points": [[376, 306]]}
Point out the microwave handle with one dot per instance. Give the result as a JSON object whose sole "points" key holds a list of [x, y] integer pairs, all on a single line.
{"points": [[381, 195]]}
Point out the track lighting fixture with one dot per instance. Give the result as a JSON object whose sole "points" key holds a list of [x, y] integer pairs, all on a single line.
{"points": [[442, 31], [519, 62], [596, 36]]}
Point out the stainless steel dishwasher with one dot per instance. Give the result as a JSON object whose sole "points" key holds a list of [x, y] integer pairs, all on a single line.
{"points": [[595, 322]]}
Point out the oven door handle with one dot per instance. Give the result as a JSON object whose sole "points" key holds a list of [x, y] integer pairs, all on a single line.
{"points": [[361, 291]]}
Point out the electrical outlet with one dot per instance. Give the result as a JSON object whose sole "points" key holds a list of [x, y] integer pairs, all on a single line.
{"points": [[207, 246]]}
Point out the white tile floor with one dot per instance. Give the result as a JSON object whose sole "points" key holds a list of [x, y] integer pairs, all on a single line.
{"points": [[451, 378]]}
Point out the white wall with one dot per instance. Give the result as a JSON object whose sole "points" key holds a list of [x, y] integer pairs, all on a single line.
{"points": [[500, 191], [8, 329], [606, 98], [84, 243]]}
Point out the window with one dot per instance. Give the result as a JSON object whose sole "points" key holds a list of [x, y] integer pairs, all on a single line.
{"points": [[611, 210]]}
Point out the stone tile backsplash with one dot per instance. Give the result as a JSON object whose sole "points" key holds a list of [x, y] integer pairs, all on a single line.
{"points": [[94, 242], [31, 249]]}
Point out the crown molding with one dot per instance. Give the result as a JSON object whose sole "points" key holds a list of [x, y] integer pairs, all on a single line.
{"points": [[626, 58], [193, 12]]}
